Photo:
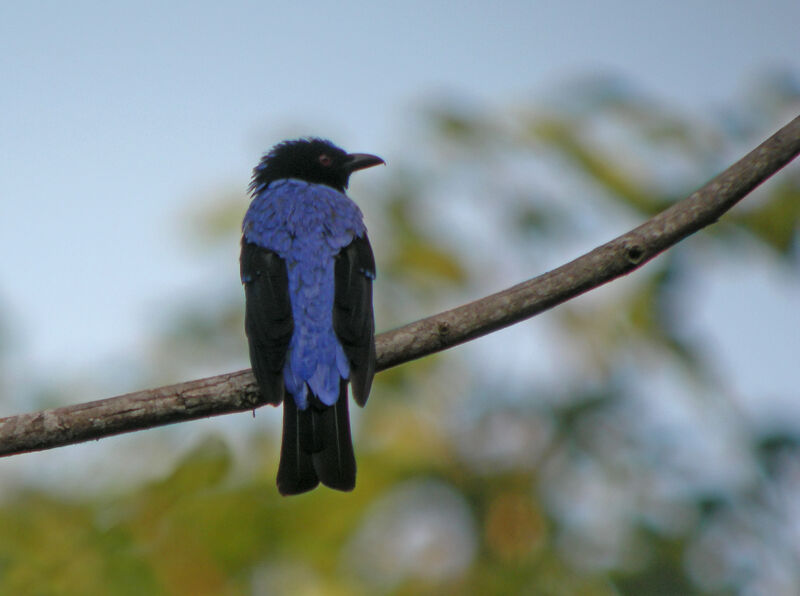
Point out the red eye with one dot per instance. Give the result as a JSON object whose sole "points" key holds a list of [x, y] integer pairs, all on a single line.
{"points": [[325, 160]]}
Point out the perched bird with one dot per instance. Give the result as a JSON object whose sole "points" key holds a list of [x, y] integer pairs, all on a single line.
{"points": [[307, 268]]}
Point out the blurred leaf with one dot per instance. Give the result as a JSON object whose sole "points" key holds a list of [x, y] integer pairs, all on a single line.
{"points": [[459, 124], [419, 258], [416, 254], [643, 316], [563, 136], [569, 415], [203, 467], [49, 546], [218, 220], [515, 527], [777, 221], [536, 220], [664, 577], [776, 448]]}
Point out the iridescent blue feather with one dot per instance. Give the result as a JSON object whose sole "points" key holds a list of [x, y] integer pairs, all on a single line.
{"points": [[307, 225]]}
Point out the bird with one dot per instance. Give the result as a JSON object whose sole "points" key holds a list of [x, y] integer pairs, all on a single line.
{"points": [[307, 269]]}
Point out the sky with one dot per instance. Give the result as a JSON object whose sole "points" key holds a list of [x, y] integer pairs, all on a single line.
{"points": [[116, 118]]}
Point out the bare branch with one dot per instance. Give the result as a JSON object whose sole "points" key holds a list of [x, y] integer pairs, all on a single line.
{"points": [[236, 392]]}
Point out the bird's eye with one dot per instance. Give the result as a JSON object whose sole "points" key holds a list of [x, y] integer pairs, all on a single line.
{"points": [[325, 160]]}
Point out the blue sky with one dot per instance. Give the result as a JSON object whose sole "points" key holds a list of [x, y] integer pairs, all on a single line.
{"points": [[116, 117]]}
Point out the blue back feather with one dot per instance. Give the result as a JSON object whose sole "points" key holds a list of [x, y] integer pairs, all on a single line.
{"points": [[307, 225]]}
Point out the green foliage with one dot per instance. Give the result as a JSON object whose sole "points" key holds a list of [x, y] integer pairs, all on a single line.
{"points": [[776, 221]]}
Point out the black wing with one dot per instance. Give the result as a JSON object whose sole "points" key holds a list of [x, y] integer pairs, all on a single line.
{"points": [[268, 317], [353, 318]]}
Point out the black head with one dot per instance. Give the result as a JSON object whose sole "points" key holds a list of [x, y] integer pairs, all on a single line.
{"points": [[311, 160]]}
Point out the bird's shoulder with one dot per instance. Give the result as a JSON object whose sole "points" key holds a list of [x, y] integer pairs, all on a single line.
{"points": [[291, 206]]}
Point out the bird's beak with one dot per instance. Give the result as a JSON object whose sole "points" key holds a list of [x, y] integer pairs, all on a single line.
{"points": [[359, 161]]}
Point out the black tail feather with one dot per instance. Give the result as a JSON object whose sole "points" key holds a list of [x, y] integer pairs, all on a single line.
{"points": [[317, 446], [296, 469], [335, 462]]}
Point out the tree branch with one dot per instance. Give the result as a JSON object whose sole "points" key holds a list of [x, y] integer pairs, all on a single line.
{"points": [[236, 392]]}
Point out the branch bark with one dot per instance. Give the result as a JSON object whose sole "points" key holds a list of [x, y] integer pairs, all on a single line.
{"points": [[236, 392]]}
